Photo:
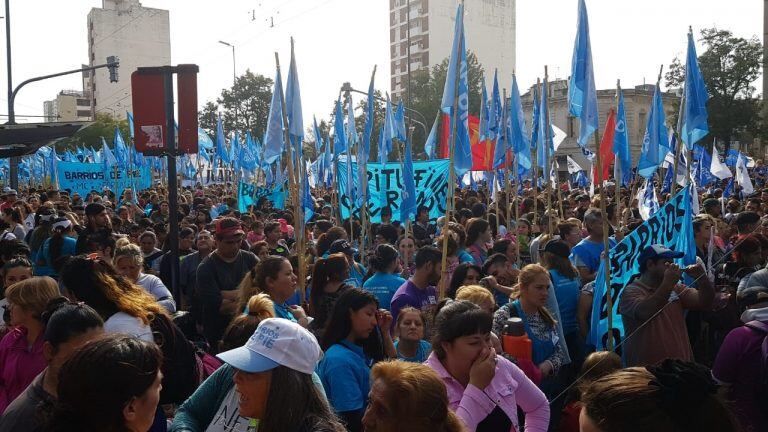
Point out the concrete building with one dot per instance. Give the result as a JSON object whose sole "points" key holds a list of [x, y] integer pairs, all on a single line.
{"points": [[489, 27], [69, 106], [139, 36], [637, 102]]}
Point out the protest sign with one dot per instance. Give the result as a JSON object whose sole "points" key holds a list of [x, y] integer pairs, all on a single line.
{"points": [[671, 227], [385, 187], [250, 194], [84, 177]]}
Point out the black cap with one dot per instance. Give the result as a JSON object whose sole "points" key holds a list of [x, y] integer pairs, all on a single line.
{"points": [[342, 246], [93, 209], [558, 248], [711, 202]]}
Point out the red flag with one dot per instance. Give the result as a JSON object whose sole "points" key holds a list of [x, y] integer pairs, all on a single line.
{"points": [[482, 152], [606, 148]]}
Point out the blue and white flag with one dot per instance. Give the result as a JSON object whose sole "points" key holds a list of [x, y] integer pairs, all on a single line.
{"points": [[274, 138], [717, 168], [430, 147], [655, 142], [495, 109], [340, 145], [695, 115], [518, 135], [293, 104], [648, 202], [582, 93], [389, 133], [545, 147], [408, 206], [221, 146], [369, 115], [484, 111], [400, 132]]}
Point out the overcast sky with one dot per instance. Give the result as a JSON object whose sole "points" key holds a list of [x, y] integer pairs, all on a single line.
{"points": [[341, 40]]}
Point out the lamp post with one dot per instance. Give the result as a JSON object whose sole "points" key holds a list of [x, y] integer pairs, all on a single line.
{"points": [[234, 70], [14, 163]]}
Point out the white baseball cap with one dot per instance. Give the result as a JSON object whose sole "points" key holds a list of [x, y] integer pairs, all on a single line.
{"points": [[276, 342]]}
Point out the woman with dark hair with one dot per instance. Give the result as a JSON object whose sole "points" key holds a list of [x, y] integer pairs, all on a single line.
{"points": [[68, 326], [385, 281], [478, 236], [406, 245], [465, 274], [673, 396], [110, 384], [128, 309], [408, 397], [42, 231], [273, 276], [325, 240], [12, 217], [357, 335], [56, 248], [387, 234], [328, 276], [484, 389]]}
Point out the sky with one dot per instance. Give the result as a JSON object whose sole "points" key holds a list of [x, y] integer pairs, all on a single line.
{"points": [[341, 40]]}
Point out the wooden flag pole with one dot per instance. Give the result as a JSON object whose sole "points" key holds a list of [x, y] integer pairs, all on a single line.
{"points": [[507, 185], [451, 158], [679, 146], [547, 164], [606, 244]]}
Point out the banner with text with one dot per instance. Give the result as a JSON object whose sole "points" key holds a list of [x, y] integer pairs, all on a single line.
{"points": [[385, 187], [84, 177], [670, 227], [249, 194]]}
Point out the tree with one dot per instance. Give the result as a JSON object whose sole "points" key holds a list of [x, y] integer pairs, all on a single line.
{"points": [[244, 106], [730, 65], [104, 126]]}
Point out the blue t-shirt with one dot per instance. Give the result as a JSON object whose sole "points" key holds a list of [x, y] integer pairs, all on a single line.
{"points": [[587, 254], [422, 352], [344, 372], [356, 274], [282, 311], [465, 257], [383, 286], [43, 264], [567, 292]]}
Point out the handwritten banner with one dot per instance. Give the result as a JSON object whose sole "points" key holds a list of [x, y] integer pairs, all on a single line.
{"points": [[670, 227], [249, 194], [84, 177], [385, 187]]}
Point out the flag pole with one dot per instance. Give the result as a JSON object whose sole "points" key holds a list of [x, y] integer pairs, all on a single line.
{"points": [[451, 160], [679, 147], [547, 156], [535, 165], [617, 168], [606, 245], [507, 185], [293, 201]]}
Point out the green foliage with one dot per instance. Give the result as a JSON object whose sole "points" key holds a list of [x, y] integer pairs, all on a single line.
{"points": [[244, 106], [730, 65], [104, 126]]}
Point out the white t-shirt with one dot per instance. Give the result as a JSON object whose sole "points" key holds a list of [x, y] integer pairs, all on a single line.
{"points": [[123, 323], [228, 418]]}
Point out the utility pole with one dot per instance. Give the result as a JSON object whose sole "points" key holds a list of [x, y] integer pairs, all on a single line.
{"points": [[14, 172]]}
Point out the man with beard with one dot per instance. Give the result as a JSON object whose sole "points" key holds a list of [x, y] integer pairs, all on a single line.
{"points": [[96, 219], [419, 291]]}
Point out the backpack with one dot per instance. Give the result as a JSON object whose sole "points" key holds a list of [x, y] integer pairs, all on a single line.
{"points": [[181, 366]]}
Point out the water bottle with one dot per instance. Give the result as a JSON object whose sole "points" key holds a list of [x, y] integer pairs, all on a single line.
{"points": [[253, 425], [515, 341]]}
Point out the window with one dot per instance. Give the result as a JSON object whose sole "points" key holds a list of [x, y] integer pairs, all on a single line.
{"points": [[83, 102], [83, 113], [571, 132]]}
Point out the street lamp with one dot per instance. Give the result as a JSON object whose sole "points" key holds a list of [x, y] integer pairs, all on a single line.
{"points": [[234, 71]]}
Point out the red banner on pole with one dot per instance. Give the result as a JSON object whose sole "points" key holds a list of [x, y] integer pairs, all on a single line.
{"points": [[148, 97]]}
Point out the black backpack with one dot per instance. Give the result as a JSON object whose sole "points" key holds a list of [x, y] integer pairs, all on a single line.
{"points": [[181, 369]]}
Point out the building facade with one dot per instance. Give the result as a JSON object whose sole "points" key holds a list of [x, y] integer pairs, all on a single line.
{"points": [[637, 103], [68, 106], [489, 27], [138, 36]]}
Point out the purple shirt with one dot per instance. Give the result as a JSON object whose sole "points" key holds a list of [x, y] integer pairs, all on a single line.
{"points": [[19, 364], [409, 294], [508, 389], [738, 365]]}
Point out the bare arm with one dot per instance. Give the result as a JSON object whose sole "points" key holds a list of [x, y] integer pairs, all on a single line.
{"points": [[648, 307], [586, 275], [583, 313]]}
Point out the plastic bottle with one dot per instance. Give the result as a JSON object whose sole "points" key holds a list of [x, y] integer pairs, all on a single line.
{"points": [[515, 341]]}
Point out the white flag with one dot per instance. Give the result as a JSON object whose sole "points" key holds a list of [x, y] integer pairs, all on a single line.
{"points": [[695, 208], [717, 168], [591, 180], [742, 177], [647, 201], [573, 167]]}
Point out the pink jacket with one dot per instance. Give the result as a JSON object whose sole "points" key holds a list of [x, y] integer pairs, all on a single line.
{"points": [[19, 364], [509, 389]]}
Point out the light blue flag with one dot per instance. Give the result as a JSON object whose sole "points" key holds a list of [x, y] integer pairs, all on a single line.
{"points": [[339, 133], [430, 147], [400, 132], [328, 165], [234, 152], [121, 150], [582, 93], [369, 116], [535, 118], [484, 111], [130, 122], [307, 204], [545, 147], [621, 143], [656, 141], [666, 185], [318, 135], [458, 65], [518, 135], [728, 191], [702, 173], [389, 133], [695, 115], [293, 104], [108, 158], [274, 139], [351, 124], [502, 140], [221, 145], [495, 109], [248, 155], [408, 203], [203, 139]]}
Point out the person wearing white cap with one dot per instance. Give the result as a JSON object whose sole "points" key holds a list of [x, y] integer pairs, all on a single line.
{"points": [[273, 386], [60, 244]]}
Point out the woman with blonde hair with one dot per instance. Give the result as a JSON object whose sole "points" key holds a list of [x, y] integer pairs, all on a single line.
{"points": [[408, 396], [129, 262], [21, 350], [478, 295]]}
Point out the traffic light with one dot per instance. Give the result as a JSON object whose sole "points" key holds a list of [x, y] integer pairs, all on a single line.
{"points": [[113, 63]]}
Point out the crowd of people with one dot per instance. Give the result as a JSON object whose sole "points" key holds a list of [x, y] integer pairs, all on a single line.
{"points": [[477, 323]]}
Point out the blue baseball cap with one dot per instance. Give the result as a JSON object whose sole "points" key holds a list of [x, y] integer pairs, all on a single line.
{"points": [[658, 251]]}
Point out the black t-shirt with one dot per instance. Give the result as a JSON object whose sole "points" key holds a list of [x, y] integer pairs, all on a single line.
{"points": [[497, 420]]}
